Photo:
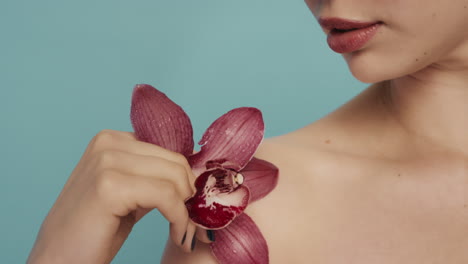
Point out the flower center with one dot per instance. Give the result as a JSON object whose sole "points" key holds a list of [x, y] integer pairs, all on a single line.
{"points": [[219, 184]]}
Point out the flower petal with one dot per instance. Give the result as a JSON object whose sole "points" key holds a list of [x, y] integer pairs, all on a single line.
{"points": [[261, 177], [240, 242], [234, 137], [219, 199], [158, 120]]}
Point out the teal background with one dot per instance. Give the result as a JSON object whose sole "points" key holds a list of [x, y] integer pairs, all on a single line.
{"points": [[67, 70]]}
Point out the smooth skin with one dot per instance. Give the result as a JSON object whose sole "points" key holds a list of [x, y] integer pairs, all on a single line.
{"points": [[382, 179]]}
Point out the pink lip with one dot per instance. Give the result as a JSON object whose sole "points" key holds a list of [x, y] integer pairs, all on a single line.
{"points": [[346, 36]]}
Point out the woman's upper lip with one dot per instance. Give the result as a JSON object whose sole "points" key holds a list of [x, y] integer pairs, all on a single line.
{"points": [[330, 23]]}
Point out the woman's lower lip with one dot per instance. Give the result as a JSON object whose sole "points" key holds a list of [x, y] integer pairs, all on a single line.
{"points": [[345, 42]]}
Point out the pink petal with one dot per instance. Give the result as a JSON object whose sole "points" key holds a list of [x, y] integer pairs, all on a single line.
{"points": [[233, 137], [261, 177], [158, 120], [240, 242], [218, 200]]}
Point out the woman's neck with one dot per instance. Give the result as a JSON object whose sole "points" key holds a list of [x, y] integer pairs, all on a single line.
{"points": [[433, 103]]}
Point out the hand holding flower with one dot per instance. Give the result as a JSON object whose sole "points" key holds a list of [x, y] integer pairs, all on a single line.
{"points": [[122, 176]]}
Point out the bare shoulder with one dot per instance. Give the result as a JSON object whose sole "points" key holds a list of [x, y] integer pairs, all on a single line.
{"points": [[321, 168], [275, 150], [312, 165], [346, 181], [317, 165], [344, 184]]}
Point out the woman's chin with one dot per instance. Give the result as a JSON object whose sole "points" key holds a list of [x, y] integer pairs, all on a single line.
{"points": [[368, 76], [370, 69]]}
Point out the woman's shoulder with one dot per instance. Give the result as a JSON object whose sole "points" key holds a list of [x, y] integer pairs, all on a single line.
{"points": [[309, 166], [310, 161], [319, 165], [287, 154]]}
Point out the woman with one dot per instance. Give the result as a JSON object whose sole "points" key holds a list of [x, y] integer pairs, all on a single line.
{"points": [[383, 179]]}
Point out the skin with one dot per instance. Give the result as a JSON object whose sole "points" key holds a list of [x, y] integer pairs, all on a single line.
{"points": [[382, 179]]}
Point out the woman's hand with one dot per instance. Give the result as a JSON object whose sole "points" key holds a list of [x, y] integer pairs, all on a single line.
{"points": [[117, 181]]}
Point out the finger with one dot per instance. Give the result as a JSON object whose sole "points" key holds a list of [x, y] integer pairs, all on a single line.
{"points": [[127, 142], [174, 211], [148, 166], [191, 239], [147, 149], [204, 235], [104, 138], [123, 194], [141, 212]]}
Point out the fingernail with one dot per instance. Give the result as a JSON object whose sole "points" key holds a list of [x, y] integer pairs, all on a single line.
{"points": [[211, 235], [183, 239], [193, 241]]}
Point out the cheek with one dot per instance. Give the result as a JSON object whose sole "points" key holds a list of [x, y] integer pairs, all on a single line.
{"points": [[315, 6]]}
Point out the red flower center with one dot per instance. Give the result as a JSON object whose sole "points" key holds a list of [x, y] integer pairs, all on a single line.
{"points": [[220, 197]]}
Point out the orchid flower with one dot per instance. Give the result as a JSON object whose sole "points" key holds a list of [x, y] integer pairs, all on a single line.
{"points": [[228, 176]]}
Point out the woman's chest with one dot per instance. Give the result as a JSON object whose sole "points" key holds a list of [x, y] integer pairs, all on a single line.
{"points": [[358, 213]]}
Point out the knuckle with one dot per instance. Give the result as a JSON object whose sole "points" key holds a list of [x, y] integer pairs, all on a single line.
{"points": [[179, 158], [180, 178], [179, 170], [106, 183], [106, 158], [104, 137], [169, 191]]}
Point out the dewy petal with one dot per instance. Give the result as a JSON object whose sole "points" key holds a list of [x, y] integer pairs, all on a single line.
{"points": [[234, 137], [240, 242], [261, 177], [158, 120], [219, 199]]}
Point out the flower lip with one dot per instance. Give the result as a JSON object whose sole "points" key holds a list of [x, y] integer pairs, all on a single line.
{"points": [[219, 199], [330, 23]]}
